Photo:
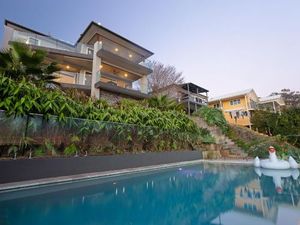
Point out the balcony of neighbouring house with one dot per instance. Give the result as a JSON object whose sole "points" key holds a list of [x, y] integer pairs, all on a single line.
{"points": [[200, 100]]}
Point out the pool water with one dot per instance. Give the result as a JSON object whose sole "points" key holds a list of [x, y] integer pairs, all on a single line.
{"points": [[198, 194]]}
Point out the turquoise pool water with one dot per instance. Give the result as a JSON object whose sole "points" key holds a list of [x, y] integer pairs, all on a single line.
{"points": [[198, 194]]}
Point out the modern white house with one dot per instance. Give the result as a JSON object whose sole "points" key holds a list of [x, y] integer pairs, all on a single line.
{"points": [[101, 63]]}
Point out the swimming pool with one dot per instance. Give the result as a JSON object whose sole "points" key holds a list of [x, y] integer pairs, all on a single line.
{"points": [[198, 194]]}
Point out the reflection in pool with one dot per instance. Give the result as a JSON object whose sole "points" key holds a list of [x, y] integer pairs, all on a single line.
{"points": [[199, 194]]}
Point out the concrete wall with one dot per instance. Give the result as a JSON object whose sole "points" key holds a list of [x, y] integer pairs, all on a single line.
{"points": [[25, 169]]}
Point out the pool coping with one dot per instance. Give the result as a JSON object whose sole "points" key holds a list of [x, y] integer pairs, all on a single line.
{"points": [[21, 185]]}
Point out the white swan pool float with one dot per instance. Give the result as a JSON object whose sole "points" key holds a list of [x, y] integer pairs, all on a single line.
{"points": [[274, 163], [277, 175]]}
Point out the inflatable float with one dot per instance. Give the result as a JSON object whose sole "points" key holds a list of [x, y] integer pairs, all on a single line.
{"points": [[277, 176], [274, 163]]}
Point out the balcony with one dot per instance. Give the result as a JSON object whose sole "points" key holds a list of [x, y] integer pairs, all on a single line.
{"points": [[43, 41], [123, 63], [198, 100]]}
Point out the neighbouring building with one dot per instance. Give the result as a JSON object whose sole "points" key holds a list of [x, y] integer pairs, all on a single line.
{"points": [[190, 95], [237, 107], [273, 103], [101, 63]]}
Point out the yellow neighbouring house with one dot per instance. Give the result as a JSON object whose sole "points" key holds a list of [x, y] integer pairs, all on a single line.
{"points": [[237, 107]]}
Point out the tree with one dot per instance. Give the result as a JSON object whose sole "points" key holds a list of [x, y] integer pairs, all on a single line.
{"points": [[291, 98], [20, 61], [163, 76]]}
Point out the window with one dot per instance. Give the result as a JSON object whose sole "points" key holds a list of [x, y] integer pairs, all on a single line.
{"points": [[217, 106], [90, 51], [32, 41], [235, 102]]}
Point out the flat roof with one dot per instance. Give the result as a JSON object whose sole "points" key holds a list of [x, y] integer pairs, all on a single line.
{"points": [[113, 33], [193, 88]]}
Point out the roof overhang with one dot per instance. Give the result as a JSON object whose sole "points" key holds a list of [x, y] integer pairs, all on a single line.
{"points": [[193, 88], [94, 29], [73, 59], [117, 61]]}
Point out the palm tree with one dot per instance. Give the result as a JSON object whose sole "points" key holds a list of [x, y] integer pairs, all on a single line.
{"points": [[163, 103], [19, 61]]}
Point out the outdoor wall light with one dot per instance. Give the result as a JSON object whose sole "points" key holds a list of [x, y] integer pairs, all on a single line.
{"points": [[126, 75], [68, 67], [130, 56], [116, 49]]}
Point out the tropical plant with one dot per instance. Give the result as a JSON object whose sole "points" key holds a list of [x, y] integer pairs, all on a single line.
{"points": [[21, 62], [13, 149], [164, 103], [128, 125], [73, 147], [49, 147]]}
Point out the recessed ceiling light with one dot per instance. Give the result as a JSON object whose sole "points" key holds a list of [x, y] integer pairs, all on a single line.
{"points": [[116, 49]]}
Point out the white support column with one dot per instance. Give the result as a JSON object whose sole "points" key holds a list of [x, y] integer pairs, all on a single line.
{"points": [[81, 79], [144, 84], [96, 70]]}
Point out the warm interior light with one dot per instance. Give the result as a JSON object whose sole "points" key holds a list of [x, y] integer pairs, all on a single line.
{"points": [[68, 67], [116, 49], [130, 56], [101, 66], [126, 75]]}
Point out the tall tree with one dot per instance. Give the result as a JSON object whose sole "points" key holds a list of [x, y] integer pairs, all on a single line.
{"points": [[19, 62], [163, 75], [291, 98]]}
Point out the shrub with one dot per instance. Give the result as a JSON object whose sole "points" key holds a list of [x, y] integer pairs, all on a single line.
{"points": [[213, 117], [124, 124]]}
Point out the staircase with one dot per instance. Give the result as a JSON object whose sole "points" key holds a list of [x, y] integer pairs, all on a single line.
{"points": [[228, 148]]}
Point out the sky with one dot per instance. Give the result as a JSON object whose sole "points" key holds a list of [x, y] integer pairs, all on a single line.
{"points": [[221, 45]]}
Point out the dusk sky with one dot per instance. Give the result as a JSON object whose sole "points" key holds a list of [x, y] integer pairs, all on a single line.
{"points": [[223, 46]]}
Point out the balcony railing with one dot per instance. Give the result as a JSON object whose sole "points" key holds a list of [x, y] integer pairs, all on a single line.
{"points": [[198, 101]]}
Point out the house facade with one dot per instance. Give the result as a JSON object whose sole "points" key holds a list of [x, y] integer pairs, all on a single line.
{"points": [[101, 63], [190, 95], [237, 107], [274, 103]]}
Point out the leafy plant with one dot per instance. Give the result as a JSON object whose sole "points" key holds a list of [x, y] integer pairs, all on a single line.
{"points": [[164, 103], [13, 149], [73, 147], [39, 151], [213, 117], [50, 147], [20, 62]]}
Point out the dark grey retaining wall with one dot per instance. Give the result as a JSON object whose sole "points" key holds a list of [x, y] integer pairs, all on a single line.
{"points": [[25, 169]]}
